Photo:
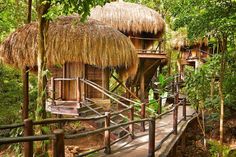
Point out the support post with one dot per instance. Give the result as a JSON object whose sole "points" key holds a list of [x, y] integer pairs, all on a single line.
{"points": [[151, 144], [131, 126], [142, 81], [58, 143], [183, 142], [25, 77], [175, 120], [53, 90], [143, 106], [28, 131], [107, 134], [184, 108], [78, 91], [160, 105]]}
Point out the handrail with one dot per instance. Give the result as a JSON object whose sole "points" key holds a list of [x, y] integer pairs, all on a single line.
{"points": [[112, 92], [86, 82], [9, 140], [51, 121], [65, 79], [105, 129]]}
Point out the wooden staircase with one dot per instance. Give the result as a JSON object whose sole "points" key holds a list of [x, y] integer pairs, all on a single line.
{"points": [[91, 109]]}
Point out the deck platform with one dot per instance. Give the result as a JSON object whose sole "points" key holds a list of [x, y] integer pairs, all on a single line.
{"points": [[152, 55]]}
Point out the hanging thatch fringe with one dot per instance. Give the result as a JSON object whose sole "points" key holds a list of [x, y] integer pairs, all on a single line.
{"points": [[129, 17], [68, 39]]}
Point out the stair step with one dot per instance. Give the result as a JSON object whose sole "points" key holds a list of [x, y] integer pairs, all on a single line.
{"points": [[119, 132], [118, 119]]}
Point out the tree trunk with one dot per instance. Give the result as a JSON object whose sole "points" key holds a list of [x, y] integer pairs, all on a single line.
{"points": [[42, 9], [222, 72]]}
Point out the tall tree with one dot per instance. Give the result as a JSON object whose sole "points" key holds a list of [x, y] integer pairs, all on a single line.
{"points": [[43, 8], [214, 18]]}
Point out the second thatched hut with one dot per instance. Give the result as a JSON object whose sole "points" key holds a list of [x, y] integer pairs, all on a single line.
{"points": [[145, 27]]}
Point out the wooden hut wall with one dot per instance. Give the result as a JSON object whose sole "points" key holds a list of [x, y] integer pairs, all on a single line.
{"points": [[73, 70], [100, 77], [140, 43]]}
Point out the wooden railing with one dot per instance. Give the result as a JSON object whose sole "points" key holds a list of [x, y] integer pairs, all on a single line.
{"points": [[58, 136], [155, 47]]}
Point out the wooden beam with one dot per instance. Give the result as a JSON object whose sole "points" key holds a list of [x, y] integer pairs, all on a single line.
{"points": [[152, 55], [120, 83], [146, 70], [142, 81]]}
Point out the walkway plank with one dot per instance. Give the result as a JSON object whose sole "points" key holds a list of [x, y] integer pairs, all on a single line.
{"points": [[139, 146]]}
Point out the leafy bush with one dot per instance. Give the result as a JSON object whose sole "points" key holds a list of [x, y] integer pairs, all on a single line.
{"points": [[216, 149]]}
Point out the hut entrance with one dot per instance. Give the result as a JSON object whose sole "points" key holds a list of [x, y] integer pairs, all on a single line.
{"points": [[72, 70], [98, 76]]}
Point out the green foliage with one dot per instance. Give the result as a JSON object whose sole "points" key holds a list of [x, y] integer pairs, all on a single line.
{"points": [[12, 15], [66, 7], [154, 4], [216, 149], [10, 94], [198, 83], [202, 17]]}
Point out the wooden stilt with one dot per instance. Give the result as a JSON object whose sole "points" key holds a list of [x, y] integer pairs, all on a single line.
{"points": [[25, 77]]}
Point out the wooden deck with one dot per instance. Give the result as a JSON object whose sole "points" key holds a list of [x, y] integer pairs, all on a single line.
{"points": [[139, 146]]}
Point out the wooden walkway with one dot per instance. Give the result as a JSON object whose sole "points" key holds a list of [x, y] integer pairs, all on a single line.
{"points": [[139, 146]]}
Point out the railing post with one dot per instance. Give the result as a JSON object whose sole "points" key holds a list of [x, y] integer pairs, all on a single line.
{"points": [[107, 134], [184, 108], [53, 90], [58, 143], [131, 126], [143, 110], [28, 131], [78, 91], [160, 105], [175, 119], [151, 144]]}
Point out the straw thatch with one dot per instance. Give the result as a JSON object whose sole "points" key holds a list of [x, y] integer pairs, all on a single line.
{"points": [[68, 39], [180, 41], [130, 17]]}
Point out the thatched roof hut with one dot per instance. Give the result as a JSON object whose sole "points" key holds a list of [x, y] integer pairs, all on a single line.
{"points": [[69, 40], [180, 41], [130, 17]]}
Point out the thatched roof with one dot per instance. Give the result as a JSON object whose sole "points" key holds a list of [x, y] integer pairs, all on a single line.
{"points": [[68, 39], [130, 17], [180, 41]]}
